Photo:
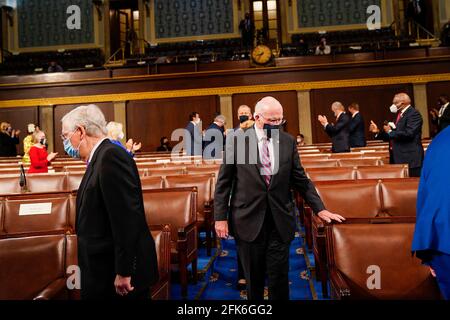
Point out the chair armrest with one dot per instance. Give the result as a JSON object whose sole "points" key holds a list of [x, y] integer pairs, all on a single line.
{"points": [[52, 290]]}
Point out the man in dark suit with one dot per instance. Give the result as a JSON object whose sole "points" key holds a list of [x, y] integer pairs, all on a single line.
{"points": [[339, 133], [213, 134], [441, 117], [261, 166], [116, 252], [405, 135], [193, 138], [357, 128]]}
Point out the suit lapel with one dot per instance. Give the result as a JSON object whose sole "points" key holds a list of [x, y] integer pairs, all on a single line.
{"points": [[88, 174], [278, 152]]}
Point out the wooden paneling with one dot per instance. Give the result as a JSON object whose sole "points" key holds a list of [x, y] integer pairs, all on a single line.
{"points": [[374, 105], [19, 118], [59, 112], [434, 90], [288, 99], [149, 120], [234, 78]]}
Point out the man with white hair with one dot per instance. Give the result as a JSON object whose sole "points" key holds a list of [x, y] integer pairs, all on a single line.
{"points": [[404, 136], [261, 212], [339, 132], [116, 252], [215, 138]]}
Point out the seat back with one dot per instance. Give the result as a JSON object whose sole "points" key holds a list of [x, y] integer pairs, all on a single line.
{"points": [[175, 207], [357, 251], [36, 214], [400, 196], [203, 183], [152, 182], [360, 162], [346, 155], [306, 163], [55, 182], [9, 184], [169, 171], [351, 199], [73, 180], [30, 264], [331, 174], [382, 172], [161, 236]]}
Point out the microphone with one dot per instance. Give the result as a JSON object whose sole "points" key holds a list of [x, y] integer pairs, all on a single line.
{"points": [[23, 179]]}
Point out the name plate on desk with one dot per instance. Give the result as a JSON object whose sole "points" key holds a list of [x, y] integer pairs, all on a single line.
{"points": [[31, 209]]}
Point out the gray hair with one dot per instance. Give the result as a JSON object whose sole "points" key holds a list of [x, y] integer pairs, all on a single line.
{"points": [[90, 117], [220, 118], [337, 106]]}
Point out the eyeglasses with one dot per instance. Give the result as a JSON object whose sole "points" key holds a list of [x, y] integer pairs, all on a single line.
{"points": [[63, 135], [276, 122]]}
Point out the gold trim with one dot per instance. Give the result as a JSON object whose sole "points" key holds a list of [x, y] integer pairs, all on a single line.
{"points": [[295, 86], [297, 29], [235, 34]]}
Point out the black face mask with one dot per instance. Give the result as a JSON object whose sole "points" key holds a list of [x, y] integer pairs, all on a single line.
{"points": [[43, 141], [242, 119], [270, 129]]}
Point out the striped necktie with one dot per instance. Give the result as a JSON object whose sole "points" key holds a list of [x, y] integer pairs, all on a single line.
{"points": [[265, 161]]}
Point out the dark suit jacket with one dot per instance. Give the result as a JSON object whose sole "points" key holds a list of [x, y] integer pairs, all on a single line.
{"points": [[444, 121], [357, 131], [113, 236], [212, 154], [8, 145], [406, 139], [339, 134], [251, 197], [193, 140]]}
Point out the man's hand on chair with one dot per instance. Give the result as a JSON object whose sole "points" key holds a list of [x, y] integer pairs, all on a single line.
{"points": [[328, 216]]}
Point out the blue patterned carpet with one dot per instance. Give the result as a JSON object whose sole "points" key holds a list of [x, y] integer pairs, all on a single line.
{"points": [[219, 274]]}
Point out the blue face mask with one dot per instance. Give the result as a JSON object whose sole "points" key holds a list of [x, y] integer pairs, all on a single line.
{"points": [[70, 150]]}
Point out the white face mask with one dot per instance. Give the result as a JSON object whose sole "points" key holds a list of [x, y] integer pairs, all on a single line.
{"points": [[121, 136], [393, 108]]}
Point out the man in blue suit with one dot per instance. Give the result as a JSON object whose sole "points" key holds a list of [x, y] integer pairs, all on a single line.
{"points": [[357, 127], [193, 135], [431, 242], [339, 132]]}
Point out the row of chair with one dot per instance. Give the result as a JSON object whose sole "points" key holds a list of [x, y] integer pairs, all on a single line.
{"points": [[54, 215], [41, 267], [370, 201]]}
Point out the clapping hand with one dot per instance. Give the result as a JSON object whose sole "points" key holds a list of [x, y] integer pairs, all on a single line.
{"points": [[373, 127], [322, 119], [52, 156]]}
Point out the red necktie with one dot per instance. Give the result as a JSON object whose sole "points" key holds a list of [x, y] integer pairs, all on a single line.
{"points": [[399, 116], [265, 162]]}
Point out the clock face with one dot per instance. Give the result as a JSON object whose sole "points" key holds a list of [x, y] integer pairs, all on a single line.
{"points": [[261, 54]]}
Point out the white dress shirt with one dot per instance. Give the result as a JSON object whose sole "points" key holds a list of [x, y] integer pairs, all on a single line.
{"points": [[95, 148], [442, 109], [260, 135]]}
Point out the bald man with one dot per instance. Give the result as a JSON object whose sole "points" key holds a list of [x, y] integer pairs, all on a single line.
{"points": [[261, 211], [339, 132], [404, 135]]}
